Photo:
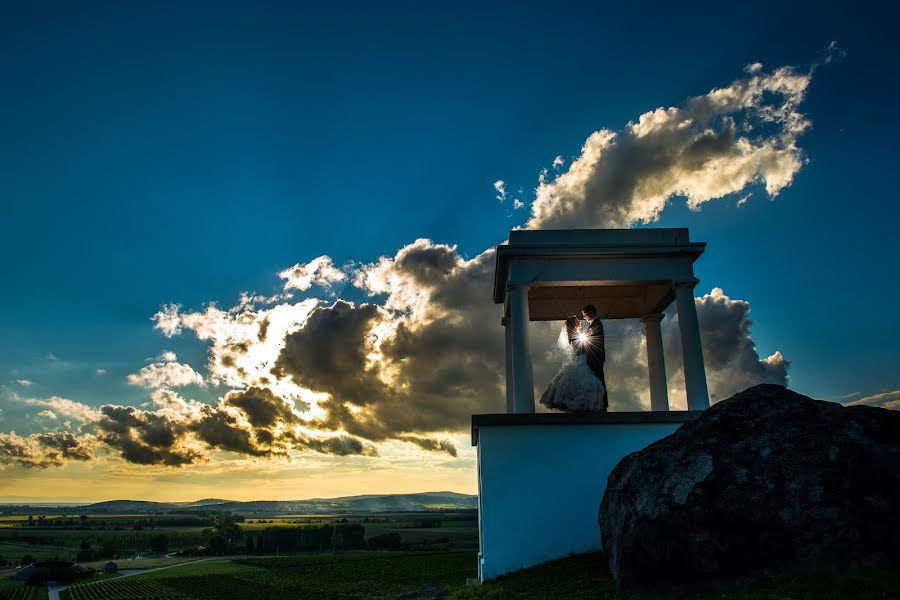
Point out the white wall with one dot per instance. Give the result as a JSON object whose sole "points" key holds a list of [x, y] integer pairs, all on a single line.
{"points": [[540, 487]]}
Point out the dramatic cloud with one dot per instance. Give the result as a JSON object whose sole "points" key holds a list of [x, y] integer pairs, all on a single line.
{"points": [[44, 450], [166, 374], [146, 437], [318, 271], [423, 362], [713, 146], [432, 444], [729, 353], [244, 343], [252, 422]]}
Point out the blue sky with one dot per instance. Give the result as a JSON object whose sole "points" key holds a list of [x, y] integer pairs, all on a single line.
{"points": [[186, 152]]}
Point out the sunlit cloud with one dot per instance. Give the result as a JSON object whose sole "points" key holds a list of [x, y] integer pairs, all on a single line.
{"points": [[166, 374], [43, 450], [319, 271], [713, 146], [64, 407]]}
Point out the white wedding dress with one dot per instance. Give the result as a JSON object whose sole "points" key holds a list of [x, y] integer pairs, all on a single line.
{"points": [[575, 388]]}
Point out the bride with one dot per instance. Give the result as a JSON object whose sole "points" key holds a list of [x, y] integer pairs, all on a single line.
{"points": [[575, 388]]}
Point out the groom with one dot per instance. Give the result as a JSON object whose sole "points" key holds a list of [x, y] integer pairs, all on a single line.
{"points": [[595, 347]]}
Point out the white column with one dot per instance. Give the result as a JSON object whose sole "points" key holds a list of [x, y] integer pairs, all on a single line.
{"points": [[523, 380], [510, 406], [656, 363], [694, 372]]}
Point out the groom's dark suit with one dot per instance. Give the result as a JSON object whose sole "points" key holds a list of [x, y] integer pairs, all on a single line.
{"points": [[595, 349]]}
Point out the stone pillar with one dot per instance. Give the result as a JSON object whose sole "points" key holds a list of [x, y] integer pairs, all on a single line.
{"points": [[510, 405], [694, 372], [523, 380], [656, 362]]}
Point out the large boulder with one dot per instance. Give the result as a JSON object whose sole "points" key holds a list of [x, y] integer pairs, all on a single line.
{"points": [[767, 482]]}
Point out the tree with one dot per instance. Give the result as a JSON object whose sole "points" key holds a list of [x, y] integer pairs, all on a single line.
{"points": [[85, 555], [217, 545], [84, 519], [388, 540], [223, 524], [249, 545], [159, 544], [27, 560], [108, 550]]}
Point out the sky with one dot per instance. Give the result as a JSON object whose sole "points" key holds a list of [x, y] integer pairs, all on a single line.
{"points": [[246, 248]]}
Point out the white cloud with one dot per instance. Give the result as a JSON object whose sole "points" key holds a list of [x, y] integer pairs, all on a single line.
{"points": [[166, 374], [168, 320], [23, 382], [244, 343], [102, 372], [558, 162], [65, 407], [47, 414], [319, 271], [753, 68], [517, 204], [715, 145], [500, 187]]}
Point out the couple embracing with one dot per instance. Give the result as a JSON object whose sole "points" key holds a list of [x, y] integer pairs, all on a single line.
{"points": [[580, 385]]}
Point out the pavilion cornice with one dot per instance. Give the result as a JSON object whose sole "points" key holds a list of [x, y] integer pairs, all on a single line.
{"points": [[505, 253]]}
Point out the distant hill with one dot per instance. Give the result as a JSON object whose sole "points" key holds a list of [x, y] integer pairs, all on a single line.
{"points": [[370, 503], [428, 501], [123, 506]]}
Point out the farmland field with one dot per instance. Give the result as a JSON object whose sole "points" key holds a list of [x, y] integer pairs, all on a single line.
{"points": [[342, 576], [16, 590], [15, 551]]}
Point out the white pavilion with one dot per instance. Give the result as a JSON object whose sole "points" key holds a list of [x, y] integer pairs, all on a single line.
{"points": [[541, 476]]}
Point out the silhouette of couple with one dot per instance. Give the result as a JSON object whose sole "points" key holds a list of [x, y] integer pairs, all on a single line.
{"points": [[580, 385]]}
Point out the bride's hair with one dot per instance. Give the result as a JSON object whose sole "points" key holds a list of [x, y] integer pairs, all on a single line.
{"points": [[571, 324], [567, 336]]}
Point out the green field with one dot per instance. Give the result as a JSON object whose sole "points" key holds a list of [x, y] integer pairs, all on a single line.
{"points": [[11, 551], [343, 576], [16, 590]]}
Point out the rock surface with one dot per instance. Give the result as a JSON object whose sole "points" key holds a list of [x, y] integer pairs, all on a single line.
{"points": [[764, 483]]}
